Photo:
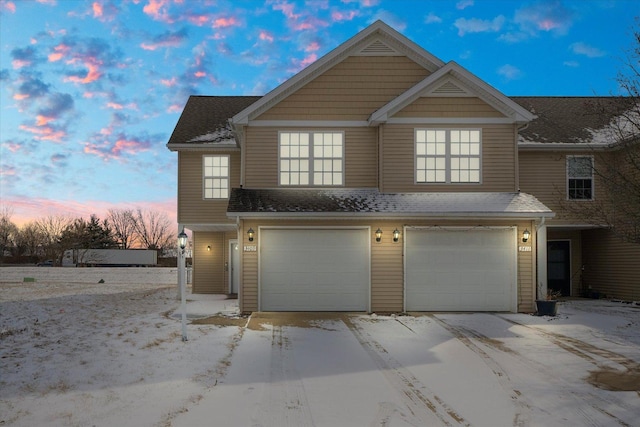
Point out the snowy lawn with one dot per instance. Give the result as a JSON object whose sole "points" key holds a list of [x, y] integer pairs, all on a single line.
{"points": [[75, 352]]}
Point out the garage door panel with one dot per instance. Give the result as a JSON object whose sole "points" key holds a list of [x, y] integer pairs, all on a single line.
{"points": [[451, 270], [314, 270]]}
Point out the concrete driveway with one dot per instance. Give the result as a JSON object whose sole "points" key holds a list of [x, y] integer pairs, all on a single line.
{"points": [[579, 369]]}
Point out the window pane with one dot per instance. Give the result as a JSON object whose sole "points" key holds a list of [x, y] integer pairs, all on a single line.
{"points": [[474, 176], [420, 136], [337, 178], [304, 151], [304, 179]]}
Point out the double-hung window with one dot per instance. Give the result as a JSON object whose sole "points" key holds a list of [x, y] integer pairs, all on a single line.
{"points": [[215, 177], [311, 158], [448, 155], [580, 177]]}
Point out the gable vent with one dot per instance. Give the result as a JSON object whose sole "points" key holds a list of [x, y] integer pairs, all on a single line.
{"points": [[378, 47], [449, 89]]}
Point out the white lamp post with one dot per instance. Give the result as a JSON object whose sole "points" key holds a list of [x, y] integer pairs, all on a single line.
{"points": [[182, 243]]}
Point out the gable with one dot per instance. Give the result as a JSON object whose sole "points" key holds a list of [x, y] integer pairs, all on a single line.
{"points": [[350, 90], [447, 107], [376, 40]]}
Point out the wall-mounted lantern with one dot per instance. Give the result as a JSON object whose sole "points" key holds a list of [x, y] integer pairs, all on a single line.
{"points": [[525, 235], [396, 235], [208, 248], [378, 235], [250, 233]]}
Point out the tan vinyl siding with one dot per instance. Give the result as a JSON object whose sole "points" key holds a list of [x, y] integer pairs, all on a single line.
{"points": [[543, 174], [498, 157], [387, 278], [208, 266], [448, 107], [526, 270], [192, 208], [351, 90], [261, 159], [611, 265]]}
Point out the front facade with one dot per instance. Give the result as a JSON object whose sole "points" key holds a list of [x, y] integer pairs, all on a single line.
{"points": [[378, 179]]}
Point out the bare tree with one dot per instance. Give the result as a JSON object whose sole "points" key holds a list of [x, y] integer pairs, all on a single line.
{"points": [[31, 239], [8, 231], [123, 223], [52, 228], [616, 166], [153, 229]]}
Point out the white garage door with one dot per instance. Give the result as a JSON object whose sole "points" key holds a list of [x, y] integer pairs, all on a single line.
{"points": [[314, 270], [460, 270]]}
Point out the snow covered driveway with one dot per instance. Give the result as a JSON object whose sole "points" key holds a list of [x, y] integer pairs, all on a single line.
{"points": [[74, 352], [432, 370]]}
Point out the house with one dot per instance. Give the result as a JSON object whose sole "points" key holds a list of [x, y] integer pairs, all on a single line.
{"points": [[382, 179]]}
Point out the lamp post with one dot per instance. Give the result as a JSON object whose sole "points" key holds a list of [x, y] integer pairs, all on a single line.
{"points": [[182, 243]]}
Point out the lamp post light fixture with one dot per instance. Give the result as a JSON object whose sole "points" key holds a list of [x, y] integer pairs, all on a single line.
{"points": [[378, 235], [250, 233], [525, 235], [182, 243], [396, 235]]}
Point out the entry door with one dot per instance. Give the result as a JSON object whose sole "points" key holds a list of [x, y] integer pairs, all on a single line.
{"points": [[559, 266], [234, 267]]}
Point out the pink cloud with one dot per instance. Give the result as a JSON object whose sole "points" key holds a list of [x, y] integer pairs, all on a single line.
{"points": [[200, 74], [175, 108], [20, 96], [266, 36], [286, 9], [119, 106], [225, 22], [339, 16], [157, 10], [14, 147], [19, 63], [312, 47], [58, 52], [42, 120], [97, 9], [198, 20], [108, 150], [9, 5], [45, 133], [169, 83], [93, 73]]}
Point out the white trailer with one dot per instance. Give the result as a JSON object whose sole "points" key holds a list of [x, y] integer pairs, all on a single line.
{"points": [[110, 258]]}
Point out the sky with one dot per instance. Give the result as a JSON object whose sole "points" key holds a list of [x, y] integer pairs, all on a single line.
{"points": [[90, 91]]}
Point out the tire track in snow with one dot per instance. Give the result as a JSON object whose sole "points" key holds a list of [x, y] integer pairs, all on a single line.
{"points": [[426, 408], [285, 389], [523, 407], [587, 412]]}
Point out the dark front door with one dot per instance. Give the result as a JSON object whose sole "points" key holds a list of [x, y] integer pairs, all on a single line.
{"points": [[559, 266]]}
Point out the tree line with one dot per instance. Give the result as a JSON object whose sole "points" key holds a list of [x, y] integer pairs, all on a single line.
{"points": [[49, 237]]}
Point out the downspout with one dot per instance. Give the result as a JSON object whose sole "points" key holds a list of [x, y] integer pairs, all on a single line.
{"points": [[541, 257]]}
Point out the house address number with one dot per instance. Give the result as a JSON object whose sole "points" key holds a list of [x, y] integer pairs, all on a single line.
{"points": [[524, 248], [250, 248]]}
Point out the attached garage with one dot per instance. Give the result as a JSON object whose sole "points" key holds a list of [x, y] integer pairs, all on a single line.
{"points": [[314, 269], [457, 269]]}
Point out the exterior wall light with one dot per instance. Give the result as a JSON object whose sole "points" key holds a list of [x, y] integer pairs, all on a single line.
{"points": [[396, 235], [378, 235], [250, 233], [525, 235], [182, 240], [208, 248]]}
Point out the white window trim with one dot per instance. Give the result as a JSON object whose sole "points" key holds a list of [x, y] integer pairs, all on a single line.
{"points": [[204, 177], [447, 156], [592, 177], [311, 159]]}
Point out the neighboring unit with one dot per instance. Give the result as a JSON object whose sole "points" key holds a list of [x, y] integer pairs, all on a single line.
{"points": [[381, 179]]}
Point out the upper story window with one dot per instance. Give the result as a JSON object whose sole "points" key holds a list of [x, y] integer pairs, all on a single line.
{"points": [[215, 177], [311, 158], [448, 156], [580, 177]]}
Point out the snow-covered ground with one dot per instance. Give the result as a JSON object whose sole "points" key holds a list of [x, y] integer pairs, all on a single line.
{"points": [[75, 352]]}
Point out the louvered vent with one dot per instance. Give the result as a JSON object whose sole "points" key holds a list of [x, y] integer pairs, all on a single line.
{"points": [[378, 47], [449, 89]]}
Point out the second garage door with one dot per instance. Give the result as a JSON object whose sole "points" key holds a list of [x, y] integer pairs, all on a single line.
{"points": [[314, 269], [460, 270]]}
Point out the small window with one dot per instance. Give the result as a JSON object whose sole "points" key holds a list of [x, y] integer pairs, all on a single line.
{"points": [[580, 177], [450, 156], [311, 158], [216, 177]]}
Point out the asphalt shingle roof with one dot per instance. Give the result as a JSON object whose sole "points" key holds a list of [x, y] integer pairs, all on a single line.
{"points": [[205, 119], [570, 119], [371, 201]]}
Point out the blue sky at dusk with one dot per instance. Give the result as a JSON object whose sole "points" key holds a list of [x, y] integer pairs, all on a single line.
{"points": [[91, 90]]}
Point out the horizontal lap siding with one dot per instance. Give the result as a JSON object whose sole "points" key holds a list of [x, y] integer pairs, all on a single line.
{"points": [[208, 266], [610, 265], [448, 107], [192, 208], [261, 162], [498, 157], [351, 90]]}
